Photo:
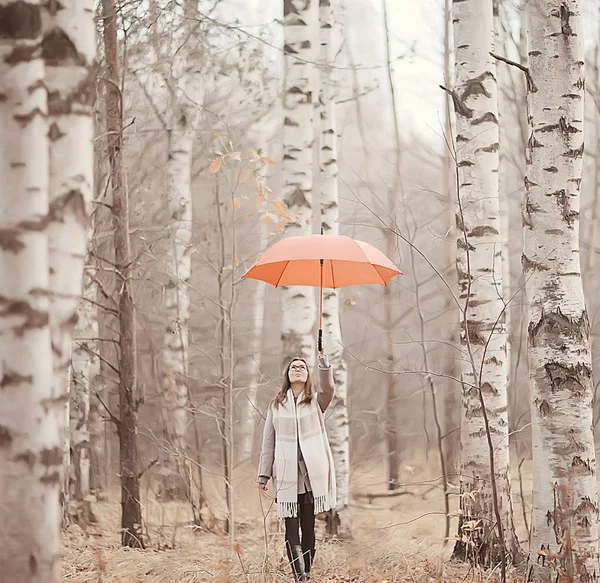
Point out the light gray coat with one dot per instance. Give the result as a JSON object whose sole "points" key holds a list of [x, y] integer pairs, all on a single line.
{"points": [[325, 390]]}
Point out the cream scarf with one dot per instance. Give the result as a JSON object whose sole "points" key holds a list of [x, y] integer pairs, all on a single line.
{"points": [[302, 424]]}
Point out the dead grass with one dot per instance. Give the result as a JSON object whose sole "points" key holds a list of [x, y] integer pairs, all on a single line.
{"points": [[395, 540]]}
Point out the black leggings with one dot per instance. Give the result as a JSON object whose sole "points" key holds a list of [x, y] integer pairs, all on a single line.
{"points": [[304, 522]]}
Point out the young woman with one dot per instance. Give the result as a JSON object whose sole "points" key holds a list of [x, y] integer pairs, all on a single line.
{"points": [[297, 457]]}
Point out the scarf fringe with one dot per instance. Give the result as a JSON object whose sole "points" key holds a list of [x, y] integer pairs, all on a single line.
{"points": [[322, 504], [287, 509]]}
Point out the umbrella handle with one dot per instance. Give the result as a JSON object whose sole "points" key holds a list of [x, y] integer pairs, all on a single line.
{"points": [[320, 340]]}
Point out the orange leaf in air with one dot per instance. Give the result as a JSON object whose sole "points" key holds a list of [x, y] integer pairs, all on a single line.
{"points": [[215, 165]]}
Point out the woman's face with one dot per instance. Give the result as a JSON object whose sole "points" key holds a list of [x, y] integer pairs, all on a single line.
{"points": [[298, 372]]}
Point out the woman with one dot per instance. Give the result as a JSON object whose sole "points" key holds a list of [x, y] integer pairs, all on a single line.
{"points": [[297, 457]]}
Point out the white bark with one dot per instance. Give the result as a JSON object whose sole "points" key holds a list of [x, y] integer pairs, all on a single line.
{"points": [[182, 114], [299, 310], [564, 533], [30, 411], [85, 371], [479, 244], [246, 404], [69, 49], [338, 426]]}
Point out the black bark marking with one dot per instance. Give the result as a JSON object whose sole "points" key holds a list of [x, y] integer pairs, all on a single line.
{"points": [[489, 149], [290, 123], [25, 119], [529, 265], [563, 200], [553, 231], [486, 117], [54, 133], [289, 50], [31, 318], [20, 21], [297, 199], [11, 378], [482, 231], [10, 240], [51, 479], [574, 153], [566, 127], [28, 458], [59, 50], [584, 466], [533, 143], [460, 243], [544, 408], [465, 163], [552, 169], [74, 202], [565, 376], [289, 7], [51, 457], [477, 332], [5, 437], [557, 325], [565, 25]]}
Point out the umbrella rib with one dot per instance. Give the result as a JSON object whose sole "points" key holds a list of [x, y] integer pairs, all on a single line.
{"points": [[282, 272], [332, 276]]}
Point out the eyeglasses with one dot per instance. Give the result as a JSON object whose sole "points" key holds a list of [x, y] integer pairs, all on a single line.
{"points": [[298, 367]]}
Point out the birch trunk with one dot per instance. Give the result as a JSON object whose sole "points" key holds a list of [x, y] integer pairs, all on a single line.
{"points": [[246, 405], [451, 395], [30, 412], [188, 98], [299, 309], [394, 195], [85, 371], [131, 513], [338, 426], [69, 50], [485, 471], [564, 533]]}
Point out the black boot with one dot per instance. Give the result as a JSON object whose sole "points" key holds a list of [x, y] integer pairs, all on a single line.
{"points": [[309, 557], [296, 558]]}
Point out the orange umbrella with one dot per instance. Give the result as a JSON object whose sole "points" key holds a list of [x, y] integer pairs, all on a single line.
{"points": [[322, 261]]}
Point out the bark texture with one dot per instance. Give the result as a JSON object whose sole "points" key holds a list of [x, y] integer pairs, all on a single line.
{"points": [[338, 426], [31, 413], [184, 116], [564, 531], [68, 50], [299, 310], [483, 321], [131, 513]]}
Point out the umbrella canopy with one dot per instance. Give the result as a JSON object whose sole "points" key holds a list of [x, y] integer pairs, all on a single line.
{"points": [[297, 261]]}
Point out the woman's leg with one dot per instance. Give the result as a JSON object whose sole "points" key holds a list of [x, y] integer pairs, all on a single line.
{"points": [[293, 547], [307, 525]]}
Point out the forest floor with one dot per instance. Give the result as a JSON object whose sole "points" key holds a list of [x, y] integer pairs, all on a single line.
{"points": [[397, 539]]}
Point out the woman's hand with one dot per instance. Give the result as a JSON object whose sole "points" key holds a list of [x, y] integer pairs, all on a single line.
{"points": [[262, 487]]}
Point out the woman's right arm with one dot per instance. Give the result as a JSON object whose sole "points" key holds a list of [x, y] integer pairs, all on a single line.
{"points": [[267, 452]]}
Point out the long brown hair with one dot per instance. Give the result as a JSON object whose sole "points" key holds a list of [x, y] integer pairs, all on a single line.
{"points": [[286, 384]]}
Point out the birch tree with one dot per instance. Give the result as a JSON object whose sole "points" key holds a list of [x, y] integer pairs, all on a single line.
{"points": [[69, 50], [30, 414], [394, 196], [85, 375], [338, 426], [486, 509], [126, 422], [299, 309], [183, 119], [564, 531]]}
